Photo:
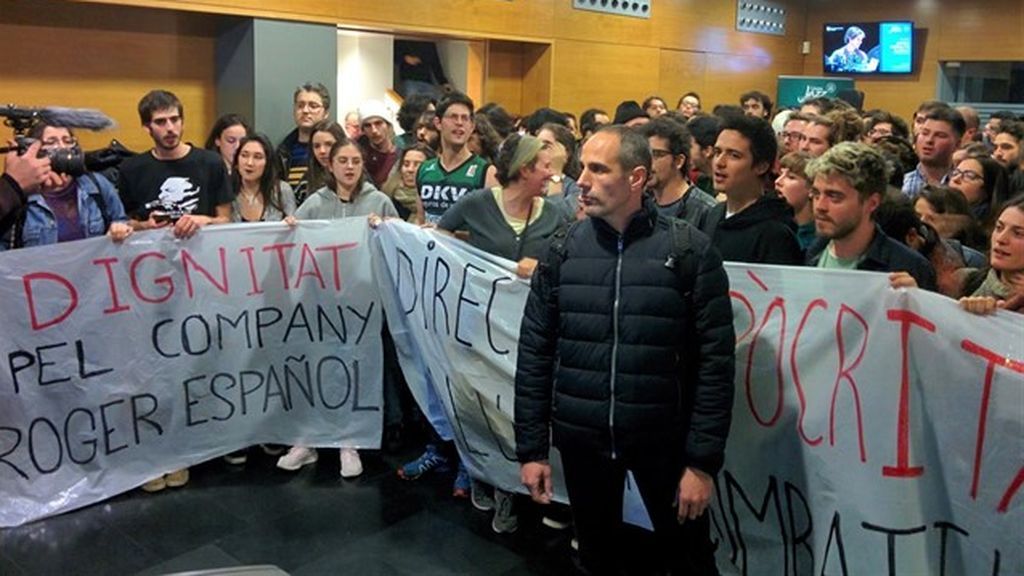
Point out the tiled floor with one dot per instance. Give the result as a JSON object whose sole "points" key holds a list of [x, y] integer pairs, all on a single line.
{"points": [[307, 523]]}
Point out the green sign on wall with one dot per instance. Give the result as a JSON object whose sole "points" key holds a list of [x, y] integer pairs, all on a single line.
{"points": [[793, 90]]}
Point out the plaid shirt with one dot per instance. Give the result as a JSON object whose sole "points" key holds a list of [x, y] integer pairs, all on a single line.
{"points": [[915, 181]]}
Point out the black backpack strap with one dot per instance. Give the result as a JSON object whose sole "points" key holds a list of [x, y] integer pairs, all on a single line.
{"points": [[101, 202], [682, 258], [558, 247]]}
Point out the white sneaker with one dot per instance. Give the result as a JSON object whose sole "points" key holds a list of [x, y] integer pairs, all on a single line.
{"points": [[297, 457], [351, 464]]}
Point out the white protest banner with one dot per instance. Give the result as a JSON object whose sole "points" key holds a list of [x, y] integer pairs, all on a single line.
{"points": [[121, 362], [875, 431], [454, 313]]}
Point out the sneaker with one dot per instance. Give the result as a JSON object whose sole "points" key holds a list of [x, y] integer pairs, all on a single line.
{"points": [[479, 497], [431, 459], [155, 485], [237, 458], [555, 523], [461, 487], [177, 479], [351, 464], [273, 449], [505, 519], [297, 457], [574, 544]]}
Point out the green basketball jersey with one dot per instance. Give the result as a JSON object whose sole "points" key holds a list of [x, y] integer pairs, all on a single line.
{"points": [[440, 189]]}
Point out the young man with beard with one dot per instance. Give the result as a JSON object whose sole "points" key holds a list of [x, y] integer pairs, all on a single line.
{"points": [[937, 139], [849, 182], [173, 184], [750, 226], [173, 178], [456, 170], [1009, 152], [669, 179], [377, 141]]}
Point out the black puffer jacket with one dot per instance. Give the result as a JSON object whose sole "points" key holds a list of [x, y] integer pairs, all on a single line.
{"points": [[615, 358]]}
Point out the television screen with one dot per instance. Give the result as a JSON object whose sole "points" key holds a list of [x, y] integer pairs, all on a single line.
{"points": [[869, 48]]}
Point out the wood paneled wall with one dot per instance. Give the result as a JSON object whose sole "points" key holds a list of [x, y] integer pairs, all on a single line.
{"points": [[106, 57], [589, 59], [111, 51], [960, 30]]}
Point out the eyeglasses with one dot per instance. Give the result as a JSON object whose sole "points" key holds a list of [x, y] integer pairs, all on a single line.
{"points": [[792, 135], [968, 175], [657, 153], [312, 106], [458, 118], [879, 132], [66, 142]]}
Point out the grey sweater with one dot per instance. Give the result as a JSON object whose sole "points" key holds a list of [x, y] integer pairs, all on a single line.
{"points": [[324, 204]]}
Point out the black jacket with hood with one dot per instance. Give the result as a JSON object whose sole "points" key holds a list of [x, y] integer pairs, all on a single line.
{"points": [[762, 233]]}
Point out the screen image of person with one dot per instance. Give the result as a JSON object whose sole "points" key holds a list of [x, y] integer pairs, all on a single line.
{"points": [[849, 57]]}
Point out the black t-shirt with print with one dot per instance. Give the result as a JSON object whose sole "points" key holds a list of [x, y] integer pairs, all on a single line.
{"points": [[195, 184]]}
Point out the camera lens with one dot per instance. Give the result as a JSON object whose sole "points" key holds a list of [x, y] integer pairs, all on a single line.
{"points": [[68, 161]]}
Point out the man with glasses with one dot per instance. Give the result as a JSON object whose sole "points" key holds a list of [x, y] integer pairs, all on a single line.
{"points": [[879, 124], [312, 103], [443, 180], [793, 132], [669, 180]]}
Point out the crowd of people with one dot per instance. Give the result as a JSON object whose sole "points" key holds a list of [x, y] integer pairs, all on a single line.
{"points": [[619, 219]]}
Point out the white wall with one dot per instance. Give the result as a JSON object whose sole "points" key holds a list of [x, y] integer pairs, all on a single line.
{"points": [[365, 69], [454, 56]]}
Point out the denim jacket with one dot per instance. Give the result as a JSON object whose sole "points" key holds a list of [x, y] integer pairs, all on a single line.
{"points": [[40, 225]]}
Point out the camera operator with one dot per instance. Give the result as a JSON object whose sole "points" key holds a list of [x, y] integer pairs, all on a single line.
{"points": [[61, 202], [22, 174]]}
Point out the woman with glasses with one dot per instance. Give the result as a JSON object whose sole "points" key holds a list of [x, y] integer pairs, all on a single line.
{"points": [[73, 205], [984, 183]]}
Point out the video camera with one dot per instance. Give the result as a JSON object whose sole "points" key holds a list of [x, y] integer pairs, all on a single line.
{"points": [[70, 161]]}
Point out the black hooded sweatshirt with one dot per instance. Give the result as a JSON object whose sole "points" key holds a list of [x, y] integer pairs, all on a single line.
{"points": [[762, 233]]}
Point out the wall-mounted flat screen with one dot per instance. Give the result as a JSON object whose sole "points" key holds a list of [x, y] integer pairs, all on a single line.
{"points": [[869, 48]]}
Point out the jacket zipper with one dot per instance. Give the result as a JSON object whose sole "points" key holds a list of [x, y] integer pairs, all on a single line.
{"points": [[615, 344]]}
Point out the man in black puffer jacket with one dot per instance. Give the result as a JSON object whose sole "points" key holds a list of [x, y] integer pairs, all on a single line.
{"points": [[626, 360]]}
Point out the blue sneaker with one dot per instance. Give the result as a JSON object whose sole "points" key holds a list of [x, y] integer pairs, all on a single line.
{"points": [[463, 483], [431, 459]]}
